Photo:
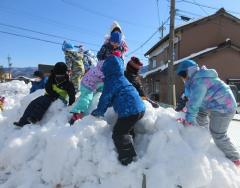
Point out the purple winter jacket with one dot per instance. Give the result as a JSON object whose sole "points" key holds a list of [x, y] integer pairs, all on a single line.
{"points": [[93, 77]]}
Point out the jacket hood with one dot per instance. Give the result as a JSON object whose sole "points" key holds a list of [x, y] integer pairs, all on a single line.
{"points": [[205, 73]]}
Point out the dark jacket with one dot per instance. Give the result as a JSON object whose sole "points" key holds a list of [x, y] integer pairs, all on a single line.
{"points": [[134, 79], [107, 50], [118, 91], [61, 89]]}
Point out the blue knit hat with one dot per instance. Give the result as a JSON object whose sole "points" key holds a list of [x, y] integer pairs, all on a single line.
{"points": [[67, 46], [184, 65], [116, 37]]}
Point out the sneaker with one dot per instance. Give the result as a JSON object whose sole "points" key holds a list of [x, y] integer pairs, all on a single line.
{"points": [[237, 163], [75, 117]]}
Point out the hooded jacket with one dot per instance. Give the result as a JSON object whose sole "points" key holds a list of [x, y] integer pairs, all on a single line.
{"points": [[118, 91], [205, 90]]}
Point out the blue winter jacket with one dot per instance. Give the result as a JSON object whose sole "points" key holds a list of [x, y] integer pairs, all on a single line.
{"points": [[38, 85], [206, 91], [118, 91]]}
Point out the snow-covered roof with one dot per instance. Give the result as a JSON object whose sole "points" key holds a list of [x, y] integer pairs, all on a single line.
{"points": [[165, 66]]}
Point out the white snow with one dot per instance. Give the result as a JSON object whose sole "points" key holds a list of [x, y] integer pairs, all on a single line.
{"points": [[51, 152]]}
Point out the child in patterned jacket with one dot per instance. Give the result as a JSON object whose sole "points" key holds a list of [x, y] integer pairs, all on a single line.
{"points": [[209, 98], [74, 61]]}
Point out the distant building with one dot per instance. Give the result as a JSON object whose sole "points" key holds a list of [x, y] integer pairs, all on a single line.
{"points": [[46, 69], [212, 41]]}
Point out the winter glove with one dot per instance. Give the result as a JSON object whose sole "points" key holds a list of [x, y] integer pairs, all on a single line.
{"points": [[184, 122], [154, 104], [96, 113]]}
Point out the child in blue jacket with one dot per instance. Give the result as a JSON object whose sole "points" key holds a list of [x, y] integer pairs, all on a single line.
{"points": [[39, 81], [209, 96], [122, 95]]}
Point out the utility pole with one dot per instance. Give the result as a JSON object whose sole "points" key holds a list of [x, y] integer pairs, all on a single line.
{"points": [[9, 67], [171, 58]]}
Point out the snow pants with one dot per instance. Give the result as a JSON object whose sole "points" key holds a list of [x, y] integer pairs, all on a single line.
{"points": [[218, 126], [122, 137], [36, 109]]}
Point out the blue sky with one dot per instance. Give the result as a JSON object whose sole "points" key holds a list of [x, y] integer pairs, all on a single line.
{"points": [[87, 22]]}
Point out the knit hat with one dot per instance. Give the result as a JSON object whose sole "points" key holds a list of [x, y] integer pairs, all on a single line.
{"points": [[116, 37], [38, 74], [67, 46], [116, 27], [60, 68], [184, 66], [135, 63]]}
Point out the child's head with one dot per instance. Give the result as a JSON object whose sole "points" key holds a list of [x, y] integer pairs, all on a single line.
{"points": [[116, 27], [116, 39], [134, 64], [60, 71], [184, 66], [67, 47]]}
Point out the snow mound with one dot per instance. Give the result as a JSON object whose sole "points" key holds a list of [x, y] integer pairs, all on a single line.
{"points": [[51, 152]]}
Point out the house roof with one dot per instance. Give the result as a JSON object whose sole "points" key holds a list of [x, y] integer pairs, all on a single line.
{"points": [[220, 12], [226, 44]]}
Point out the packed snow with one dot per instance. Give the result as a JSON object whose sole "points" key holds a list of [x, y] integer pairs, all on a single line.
{"points": [[83, 155]]}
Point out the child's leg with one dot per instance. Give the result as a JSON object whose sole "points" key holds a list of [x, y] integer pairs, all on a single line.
{"points": [[83, 101], [122, 138], [202, 118], [41, 106], [219, 123]]}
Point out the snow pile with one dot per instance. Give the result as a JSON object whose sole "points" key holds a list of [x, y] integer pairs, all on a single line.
{"points": [[51, 152]]}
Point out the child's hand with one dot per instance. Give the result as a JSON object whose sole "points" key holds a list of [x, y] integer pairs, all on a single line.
{"points": [[184, 122], [96, 113]]}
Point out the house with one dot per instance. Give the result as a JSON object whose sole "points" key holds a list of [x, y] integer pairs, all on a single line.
{"points": [[212, 41], [46, 69]]}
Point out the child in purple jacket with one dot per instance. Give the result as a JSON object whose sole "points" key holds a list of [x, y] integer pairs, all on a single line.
{"points": [[91, 83]]}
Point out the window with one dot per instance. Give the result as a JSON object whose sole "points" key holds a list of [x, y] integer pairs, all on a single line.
{"points": [[154, 63], [157, 86]]}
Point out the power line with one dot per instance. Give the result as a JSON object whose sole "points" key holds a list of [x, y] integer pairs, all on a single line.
{"points": [[47, 20], [76, 5], [206, 6], [46, 34], [201, 8], [34, 38], [148, 38]]}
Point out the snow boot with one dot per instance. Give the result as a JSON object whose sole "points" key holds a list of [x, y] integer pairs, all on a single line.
{"points": [[126, 151], [18, 125], [75, 117]]}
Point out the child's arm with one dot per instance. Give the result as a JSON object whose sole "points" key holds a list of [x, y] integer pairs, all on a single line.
{"points": [[195, 99], [101, 55], [48, 87], [105, 101]]}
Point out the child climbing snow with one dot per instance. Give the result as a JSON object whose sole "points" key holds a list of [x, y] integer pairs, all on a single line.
{"points": [[91, 83], [107, 47], [209, 98], [74, 61], [132, 74], [58, 87], [120, 93]]}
